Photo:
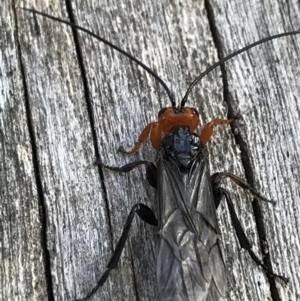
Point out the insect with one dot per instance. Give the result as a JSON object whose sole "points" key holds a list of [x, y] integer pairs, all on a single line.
{"points": [[184, 185]]}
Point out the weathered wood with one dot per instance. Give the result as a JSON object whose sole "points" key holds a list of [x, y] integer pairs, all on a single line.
{"points": [[264, 88], [22, 269], [85, 210]]}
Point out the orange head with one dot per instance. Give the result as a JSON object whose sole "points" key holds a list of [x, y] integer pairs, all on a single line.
{"points": [[172, 116]]}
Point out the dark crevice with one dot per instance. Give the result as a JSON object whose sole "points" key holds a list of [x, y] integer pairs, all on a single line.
{"points": [[89, 105], [40, 194], [92, 121], [244, 153], [134, 276]]}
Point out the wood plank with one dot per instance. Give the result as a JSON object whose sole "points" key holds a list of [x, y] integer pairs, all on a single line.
{"points": [[22, 270], [264, 88], [176, 40], [74, 203]]}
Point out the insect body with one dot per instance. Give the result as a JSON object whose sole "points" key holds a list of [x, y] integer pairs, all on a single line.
{"points": [[190, 264], [187, 223]]}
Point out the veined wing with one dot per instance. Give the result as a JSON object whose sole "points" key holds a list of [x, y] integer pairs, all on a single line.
{"points": [[190, 265]]}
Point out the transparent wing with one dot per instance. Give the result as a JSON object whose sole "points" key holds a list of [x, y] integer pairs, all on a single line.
{"points": [[190, 265]]}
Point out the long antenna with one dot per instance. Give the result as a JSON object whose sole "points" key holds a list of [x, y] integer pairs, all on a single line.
{"points": [[170, 94], [229, 57]]}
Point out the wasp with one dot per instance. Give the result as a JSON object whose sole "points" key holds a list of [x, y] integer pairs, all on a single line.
{"points": [[190, 260]]}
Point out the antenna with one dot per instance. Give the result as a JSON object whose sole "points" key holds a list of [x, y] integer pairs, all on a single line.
{"points": [[170, 94], [151, 72], [231, 56]]}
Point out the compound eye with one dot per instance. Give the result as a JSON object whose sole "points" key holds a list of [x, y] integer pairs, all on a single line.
{"points": [[195, 111], [161, 112]]}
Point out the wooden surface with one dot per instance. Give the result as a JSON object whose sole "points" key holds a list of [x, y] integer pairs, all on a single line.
{"points": [[61, 217]]}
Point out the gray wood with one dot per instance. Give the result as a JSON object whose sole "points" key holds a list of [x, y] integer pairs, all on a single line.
{"points": [[264, 88], [85, 210], [22, 272], [73, 199]]}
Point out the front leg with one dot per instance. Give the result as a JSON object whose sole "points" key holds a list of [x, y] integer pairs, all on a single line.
{"points": [[151, 171]]}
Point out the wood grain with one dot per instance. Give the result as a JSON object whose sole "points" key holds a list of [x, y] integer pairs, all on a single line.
{"points": [[22, 268], [83, 108]]}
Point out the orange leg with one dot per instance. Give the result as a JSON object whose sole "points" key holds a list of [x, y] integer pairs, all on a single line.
{"points": [[154, 129], [155, 135], [207, 131]]}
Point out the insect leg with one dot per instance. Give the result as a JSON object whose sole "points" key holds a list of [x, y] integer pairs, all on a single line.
{"points": [[147, 215], [243, 240], [216, 178], [151, 171], [207, 130], [153, 129]]}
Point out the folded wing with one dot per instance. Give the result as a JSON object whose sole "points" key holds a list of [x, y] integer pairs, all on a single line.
{"points": [[190, 265]]}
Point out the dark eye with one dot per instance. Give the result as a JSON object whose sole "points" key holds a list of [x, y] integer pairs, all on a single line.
{"points": [[162, 111], [195, 111]]}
